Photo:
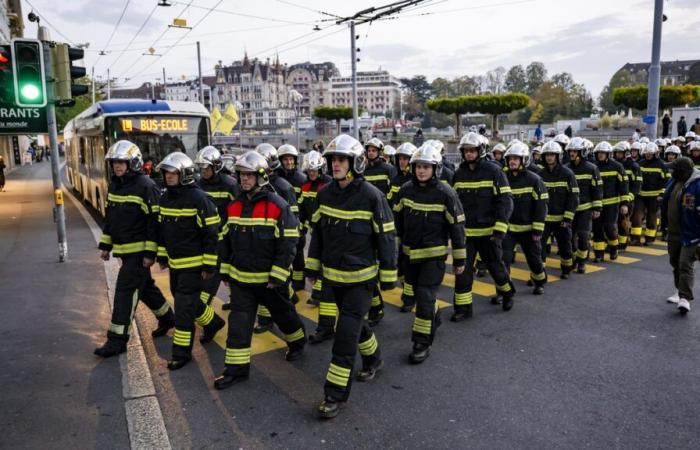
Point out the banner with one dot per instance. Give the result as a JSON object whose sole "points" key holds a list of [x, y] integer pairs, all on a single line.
{"points": [[228, 121], [215, 119]]}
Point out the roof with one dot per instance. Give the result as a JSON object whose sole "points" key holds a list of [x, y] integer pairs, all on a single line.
{"points": [[667, 67]]}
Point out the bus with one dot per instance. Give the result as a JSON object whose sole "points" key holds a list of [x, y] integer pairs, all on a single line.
{"points": [[158, 127]]}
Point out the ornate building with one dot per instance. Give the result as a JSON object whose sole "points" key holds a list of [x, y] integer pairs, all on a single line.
{"points": [[313, 82]]}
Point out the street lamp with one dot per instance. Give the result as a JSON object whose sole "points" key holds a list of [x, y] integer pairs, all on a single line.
{"points": [[296, 100], [239, 109]]}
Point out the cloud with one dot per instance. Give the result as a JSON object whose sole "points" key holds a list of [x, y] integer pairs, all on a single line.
{"points": [[106, 12]]}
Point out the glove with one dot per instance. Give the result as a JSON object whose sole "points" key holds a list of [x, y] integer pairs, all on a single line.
{"points": [[386, 285]]}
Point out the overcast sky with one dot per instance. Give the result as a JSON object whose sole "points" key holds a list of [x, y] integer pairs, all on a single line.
{"points": [[440, 38]]}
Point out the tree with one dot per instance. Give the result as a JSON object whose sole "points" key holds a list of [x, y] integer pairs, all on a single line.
{"points": [[694, 74], [621, 78], [442, 87], [465, 85], [536, 75], [563, 80], [82, 102], [516, 80], [419, 86], [333, 113], [669, 96]]}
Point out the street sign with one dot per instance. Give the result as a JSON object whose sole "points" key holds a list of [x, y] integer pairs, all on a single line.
{"points": [[649, 119], [18, 120]]}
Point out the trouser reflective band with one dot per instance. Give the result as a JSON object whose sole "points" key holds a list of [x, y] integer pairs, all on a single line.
{"points": [[237, 356], [182, 338], [567, 262], [650, 233], [206, 317], [327, 309], [463, 298], [503, 287], [163, 310], [581, 254], [636, 231], [538, 276], [204, 296], [263, 311], [299, 334], [623, 239], [117, 329], [614, 242], [376, 301], [298, 275], [599, 246], [368, 347], [318, 285], [422, 326], [338, 375], [408, 289]]}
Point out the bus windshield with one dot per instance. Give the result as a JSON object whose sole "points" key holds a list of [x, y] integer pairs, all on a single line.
{"points": [[157, 136]]}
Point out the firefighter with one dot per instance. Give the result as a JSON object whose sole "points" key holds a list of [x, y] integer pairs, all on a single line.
{"points": [[635, 151], [352, 247], [428, 215], [187, 245], [379, 174], [563, 140], [483, 190], [589, 199], [563, 192], [536, 159], [259, 242], [389, 155], [694, 153], [446, 163], [403, 176], [130, 233], [285, 190], [529, 210], [654, 178], [621, 153], [615, 199], [314, 166], [289, 170], [497, 153], [222, 189], [671, 153]]}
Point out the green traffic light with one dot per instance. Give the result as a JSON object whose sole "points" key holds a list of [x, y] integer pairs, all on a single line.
{"points": [[30, 92]]}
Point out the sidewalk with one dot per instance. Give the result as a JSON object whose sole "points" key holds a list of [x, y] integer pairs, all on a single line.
{"points": [[55, 393]]}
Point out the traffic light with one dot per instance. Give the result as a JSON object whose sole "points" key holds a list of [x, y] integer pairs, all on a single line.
{"points": [[7, 88], [28, 70], [65, 73]]}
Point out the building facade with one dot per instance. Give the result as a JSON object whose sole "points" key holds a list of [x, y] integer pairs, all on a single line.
{"points": [[147, 91], [378, 92], [672, 72], [11, 26], [313, 82], [188, 91]]}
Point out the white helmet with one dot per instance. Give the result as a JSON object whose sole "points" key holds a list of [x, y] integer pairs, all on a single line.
{"points": [[408, 149], [313, 161], [126, 151], [650, 149], [209, 156], [253, 161], [603, 147], [680, 139], [472, 140], [660, 142], [438, 144], [288, 150], [562, 140], [375, 142], [349, 147], [578, 144], [552, 146], [672, 150], [695, 145], [269, 152], [427, 154], [180, 163], [519, 149], [636, 145], [690, 135], [389, 151], [622, 146], [644, 140], [498, 148]]}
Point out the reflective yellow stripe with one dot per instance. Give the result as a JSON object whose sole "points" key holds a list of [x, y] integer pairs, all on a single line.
{"points": [[313, 264], [249, 221], [599, 246], [655, 193], [263, 311], [556, 184], [338, 375], [249, 277], [515, 228], [350, 276], [279, 273], [375, 178], [538, 276], [584, 206], [327, 309], [463, 298], [237, 356], [408, 290], [387, 227], [473, 184], [503, 287], [611, 201], [636, 231], [368, 347], [544, 196], [521, 191], [584, 176], [209, 259], [650, 233], [215, 194], [422, 253], [569, 215], [652, 170], [162, 252], [225, 268], [291, 233], [182, 338], [213, 220], [106, 239], [128, 199], [538, 226], [186, 263], [177, 212], [206, 317], [421, 206], [345, 215], [204, 296], [597, 203], [554, 218], [422, 326], [477, 232], [132, 247], [318, 285], [299, 334], [459, 253], [388, 276], [501, 227]]}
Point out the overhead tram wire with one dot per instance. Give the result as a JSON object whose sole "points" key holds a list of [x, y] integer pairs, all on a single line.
{"points": [[54, 28], [249, 16], [309, 9], [116, 26], [134, 37]]}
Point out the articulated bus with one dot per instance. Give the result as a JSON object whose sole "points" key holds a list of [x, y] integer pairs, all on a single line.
{"points": [[157, 127]]}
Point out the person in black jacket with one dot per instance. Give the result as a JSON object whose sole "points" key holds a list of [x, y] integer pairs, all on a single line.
{"points": [[222, 189], [615, 199], [634, 180], [352, 247], [258, 247], [187, 246], [130, 233], [681, 126], [529, 210], [428, 215], [654, 178]]}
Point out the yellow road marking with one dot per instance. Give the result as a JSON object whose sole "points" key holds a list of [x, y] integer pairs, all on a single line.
{"points": [[646, 250]]}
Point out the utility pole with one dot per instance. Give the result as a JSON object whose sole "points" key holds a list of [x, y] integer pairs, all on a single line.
{"points": [[92, 79], [199, 67], [353, 55], [109, 86], [165, 86], [655, 71], [59, 211]]}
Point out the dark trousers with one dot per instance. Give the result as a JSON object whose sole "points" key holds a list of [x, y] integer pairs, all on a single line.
{"points": [[327, 309], [624, 227], [351, 333], [581, 232], [533, 254], [642, 206], [134, 283], [377, 305], [186, 287], [241, 319], [605, 229], [425, 277], [563, 237], [298, 265], [407, 294], [682, 259], [211, 288], [491, 254]]}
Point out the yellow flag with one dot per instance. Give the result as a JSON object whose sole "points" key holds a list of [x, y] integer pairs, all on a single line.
{"points": [[228, 120], [215, 119]]}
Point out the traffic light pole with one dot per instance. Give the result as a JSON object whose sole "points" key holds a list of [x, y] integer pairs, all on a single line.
{"points": [[59, 212]]}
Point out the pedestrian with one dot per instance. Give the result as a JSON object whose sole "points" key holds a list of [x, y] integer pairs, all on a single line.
{"points": [[130, 233], [2, 174], [681, 127], [569, 131], [696, 126], [680, 205], [538, 132], [665, 125], [353, 247]]}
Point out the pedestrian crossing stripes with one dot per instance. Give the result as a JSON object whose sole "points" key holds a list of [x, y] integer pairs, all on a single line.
{"points": [[269, 341]]}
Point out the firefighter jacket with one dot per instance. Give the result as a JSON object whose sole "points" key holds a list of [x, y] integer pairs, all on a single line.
{"points": [[309, 191], [293, 177], [131, 220], [399, 180], [222, 189], [188, 229], [259, 239], [352, 235], [529, 201], [427, 217], [590, 185], [654, 177], [447, 175], [563, 193], [615, 185], [379, 174], [696, 161], [634, 177], [285, 190]]}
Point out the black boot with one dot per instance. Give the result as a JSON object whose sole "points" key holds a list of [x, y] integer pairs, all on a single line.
{"points": [[613, 253], [480, 273], [581, 267], [599, 256], [226, 381], [264, 324], [374, 317], [115, 345], [179, 363], [294, 353], [226, 307], [463, 313], [329, 408], [539, 290], [321, 335], [530, 283], [407, 307], [210, 330], [507, 302], [565, 274], [298, 285], [496, 300], [419, 354], [313, 301], [165, 323], [368, 373]]}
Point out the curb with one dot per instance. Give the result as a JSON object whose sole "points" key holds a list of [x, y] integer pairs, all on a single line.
{"points": [[144, 418]]}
